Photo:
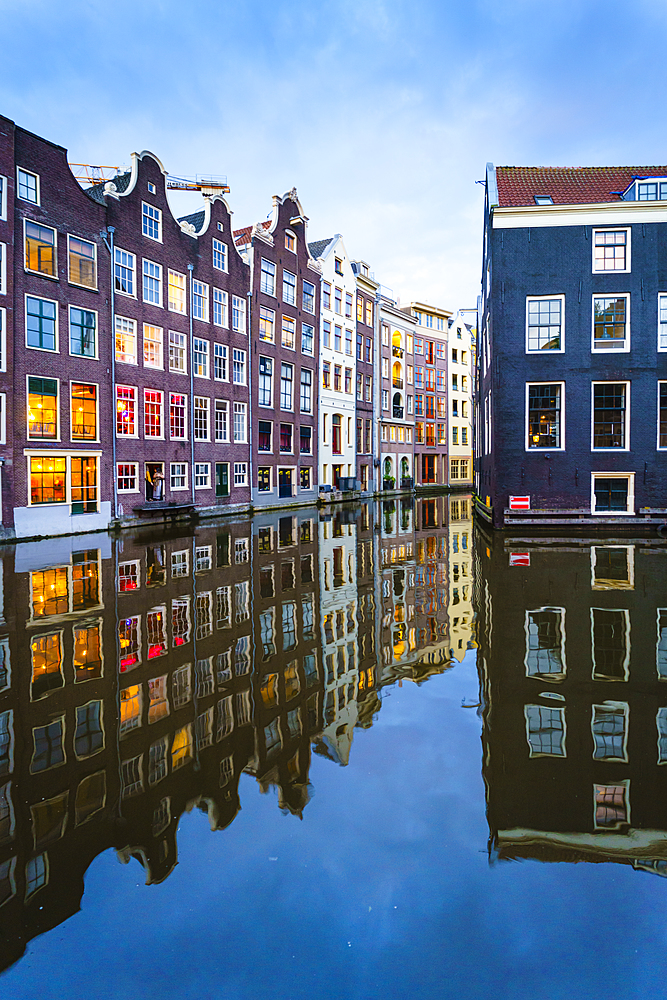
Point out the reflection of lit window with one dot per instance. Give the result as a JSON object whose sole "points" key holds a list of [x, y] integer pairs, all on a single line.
{"points": [[49, 592], [128, 576], [610, 731], [156, 638], [180, 621], [611, 643], [612, 805], [130, 709], [181, 748], [129, 637], [85, 580], [90, 796], [87, 652], [47, 658], [269, 689], [292, 683], [158, 707], [545, 643], [545, 729]]}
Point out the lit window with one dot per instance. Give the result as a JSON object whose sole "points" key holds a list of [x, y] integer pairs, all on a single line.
{"points": [[43, 408], [126, 407], [82, 262], [544, 416], [127, 477], [176, 292], [200, 300], [290, 242], [152, 413], [611, 250], [152, 346], [151, 221], [177, 352], [126, 340], [84, 412], [267, 324], [289, 333], [177, 416]]}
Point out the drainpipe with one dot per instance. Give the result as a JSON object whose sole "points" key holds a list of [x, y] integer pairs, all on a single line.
{"points": [[377, 390], [249, 377], [192, 390], [111, 230]]}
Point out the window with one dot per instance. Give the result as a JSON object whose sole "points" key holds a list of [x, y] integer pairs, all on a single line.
{"points": [[360, 309], [264, 479], [338, 301], [662, 414], [305, 479], [348, 342], [308, 297], [338, 265], [126, 340], [152, 413], [306, 390], [419, 345], [307, 339], [176, 292], [124, 270], [326, 295], [28, 186], [442, 434], [41, 321], [153, 346], [385, 399], [336, 434], [419, 377], [289, 333], [326, 333], [43, 408], [286, 438], [264, 442], [200, 355], [219, 255], [126, 477], [239, 369], [265, 389], [240, 422], [348, 305], [178, 425], [360, 386], [48, 480], [82, 332], [220, 307], [240, 473], [152, 273], [369, 313], [338, 338], [544, 325], [369, 390], [220, 355], [545, 730], [267, 324], [201, 418], [360, 347], [83, 412], [611, 328], [202, 476], [612, 493], [89, 734], [286, 382], [81, 262], [268, 277], [126, 411], [326, 375], [151, 222], [611, 250], [221, 420], [348, 380], [177, 352], [238, 314], [290, 242], [338, 380], [200, 300], [440, 383], [455, 435], [610, 415], [49, 750], [543, 425], [610, 731], [178, 476], [306, 440], [289, 288]]}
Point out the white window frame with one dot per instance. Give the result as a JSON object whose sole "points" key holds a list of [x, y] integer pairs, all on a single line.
{"points": [[184, 436], [661, 381], [3, 339], [93, 287], [617, 584], [3, 197], [543, 298], [160, 330], [68, 455], [146, 210], [623, 707], [242, 473], [170, 308], [271, 269], [527, 447], [29, 270], [3, 418], [84, 357], [207, 353], [223, 407], [136, 477], [153, 263], [96, 439], [200, 292], [152, 437], [3, 268], [626, 343], [30, 347], [184, 348], [203, 475], [243, 410], [626, 434], [117, 291], [288, 284], [177, 489], [137, 415], [615, 229], [220, 248], [202, 409], [239, 305], [630, 476], [225, 356], [663, 348], [29, 173], [243, 362], [224, 304]]}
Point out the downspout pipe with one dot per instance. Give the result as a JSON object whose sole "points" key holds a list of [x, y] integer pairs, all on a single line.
{"points": [[192, 389], [110, 247]]}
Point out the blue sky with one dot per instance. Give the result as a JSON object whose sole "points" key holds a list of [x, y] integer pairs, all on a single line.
{"points": [[383, 113]]}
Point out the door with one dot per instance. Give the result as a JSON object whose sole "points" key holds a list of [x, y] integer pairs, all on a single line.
{"points": [[155, 480], [222, 479], [428, 468], [336, 469], [284, 482]]}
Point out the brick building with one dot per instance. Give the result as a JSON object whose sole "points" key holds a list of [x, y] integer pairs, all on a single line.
{"points": [[396, 406], [366, 353]]}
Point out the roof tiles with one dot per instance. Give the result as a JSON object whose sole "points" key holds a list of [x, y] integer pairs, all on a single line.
{"points": [[567, 185]]}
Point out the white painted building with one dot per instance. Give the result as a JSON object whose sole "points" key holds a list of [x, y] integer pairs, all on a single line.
{"points": [[461, 377], [338, 374]]}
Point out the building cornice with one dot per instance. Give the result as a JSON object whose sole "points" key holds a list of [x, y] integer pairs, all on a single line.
{"points": [[605, 213]]}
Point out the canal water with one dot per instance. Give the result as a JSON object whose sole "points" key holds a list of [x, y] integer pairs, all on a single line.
{"points": [[354, 753]]}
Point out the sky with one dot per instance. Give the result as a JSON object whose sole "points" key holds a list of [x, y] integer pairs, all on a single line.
{"points": [[382, 113]]}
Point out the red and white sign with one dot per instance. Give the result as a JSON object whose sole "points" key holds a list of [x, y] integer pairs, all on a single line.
{"points": [[519, 558], [519, 503]]}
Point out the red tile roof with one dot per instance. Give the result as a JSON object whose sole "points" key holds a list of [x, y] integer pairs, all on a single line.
{"points": [[567, 185], [242, 236]]}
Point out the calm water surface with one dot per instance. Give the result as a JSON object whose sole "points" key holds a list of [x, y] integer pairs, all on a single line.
{"points": [[353, 753]]}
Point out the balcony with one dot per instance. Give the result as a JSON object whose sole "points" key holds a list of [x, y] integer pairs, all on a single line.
{"points": [[397, 383], [397, 352], [398, 412]]}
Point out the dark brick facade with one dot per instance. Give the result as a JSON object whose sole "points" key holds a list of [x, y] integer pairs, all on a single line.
{"points": [[366, 335]]}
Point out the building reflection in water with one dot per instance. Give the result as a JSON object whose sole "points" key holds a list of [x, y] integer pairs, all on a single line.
{"points": [[573, 667], [141, 675]]}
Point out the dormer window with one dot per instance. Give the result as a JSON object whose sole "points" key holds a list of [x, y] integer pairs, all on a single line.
{"points": [[646, 189], [543, 199]]}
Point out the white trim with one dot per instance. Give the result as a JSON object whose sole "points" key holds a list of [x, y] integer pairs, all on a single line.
{"points": [[147, 260], [136, 476], [154, 208], [604, 213], [97, 439], [146, 364], [178, 489], [3, 339], [3, 197], [606, 229], [29, 270], [616, 585], [620, 706], [661, 381], [185, 421], [527, 447], [22, 170], [3, 431], [91, 288], [3, 268], [626, 340], [161, 435], [27, 410], [626, 429], [86, 357], [117, 291], [546, 298], [630, 476], [661, 349], [68, 456], [135, 398]]}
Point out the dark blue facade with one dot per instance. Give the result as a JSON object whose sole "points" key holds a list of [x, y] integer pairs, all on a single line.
{"points": [[545, 260]]}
